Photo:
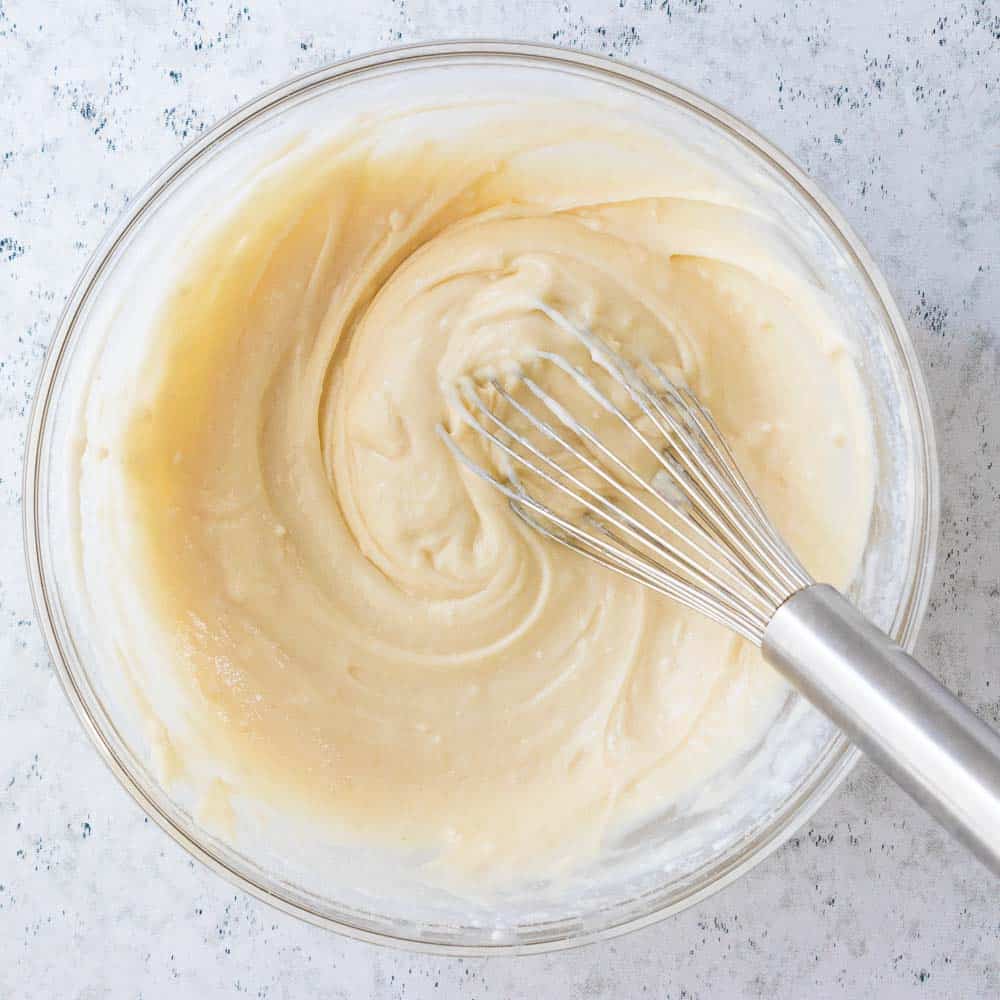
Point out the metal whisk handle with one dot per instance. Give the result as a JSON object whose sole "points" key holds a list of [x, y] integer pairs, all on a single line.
{"points": [[914, 728]]}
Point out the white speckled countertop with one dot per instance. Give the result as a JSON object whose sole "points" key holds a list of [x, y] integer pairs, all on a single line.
{"points": [[894, 107]]}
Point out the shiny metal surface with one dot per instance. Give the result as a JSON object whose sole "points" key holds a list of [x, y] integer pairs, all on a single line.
{"points": [[914, 728], [696, 533]]}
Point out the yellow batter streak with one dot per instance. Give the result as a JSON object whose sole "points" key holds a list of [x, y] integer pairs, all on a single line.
{"points": [[364, 631]]}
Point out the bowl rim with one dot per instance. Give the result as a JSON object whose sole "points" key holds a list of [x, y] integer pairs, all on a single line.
{"points": [[840, 758]]}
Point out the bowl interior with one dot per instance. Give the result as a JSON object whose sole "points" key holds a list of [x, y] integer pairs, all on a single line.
{"points": [[680, 855]]}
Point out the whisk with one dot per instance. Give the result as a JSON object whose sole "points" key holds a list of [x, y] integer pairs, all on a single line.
{"points": [[663, 502]]}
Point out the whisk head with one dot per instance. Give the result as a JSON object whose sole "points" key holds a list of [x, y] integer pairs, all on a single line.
{"points": [[631, 471]]}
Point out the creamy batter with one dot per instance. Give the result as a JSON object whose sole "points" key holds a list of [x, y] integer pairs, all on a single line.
{"points": [[363, 631]]}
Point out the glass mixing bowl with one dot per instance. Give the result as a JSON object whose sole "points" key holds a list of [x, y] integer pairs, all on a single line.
{"points": [[672, 862]]}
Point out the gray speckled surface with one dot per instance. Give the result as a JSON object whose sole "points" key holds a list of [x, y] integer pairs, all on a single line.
{"points": [[894, 107]]}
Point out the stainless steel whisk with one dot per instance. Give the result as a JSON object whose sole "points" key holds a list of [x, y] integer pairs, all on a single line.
{"points": [[694, 531]]}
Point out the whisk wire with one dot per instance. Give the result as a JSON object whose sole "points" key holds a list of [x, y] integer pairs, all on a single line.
{"points": [[782, 560], [696, 500], [607, 514], [570, 534], [705, 542], [740, 530], [675, 434], [702, 541]]}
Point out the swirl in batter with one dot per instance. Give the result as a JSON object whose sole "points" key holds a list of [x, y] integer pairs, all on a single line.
{"points": [[363, 630]]}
